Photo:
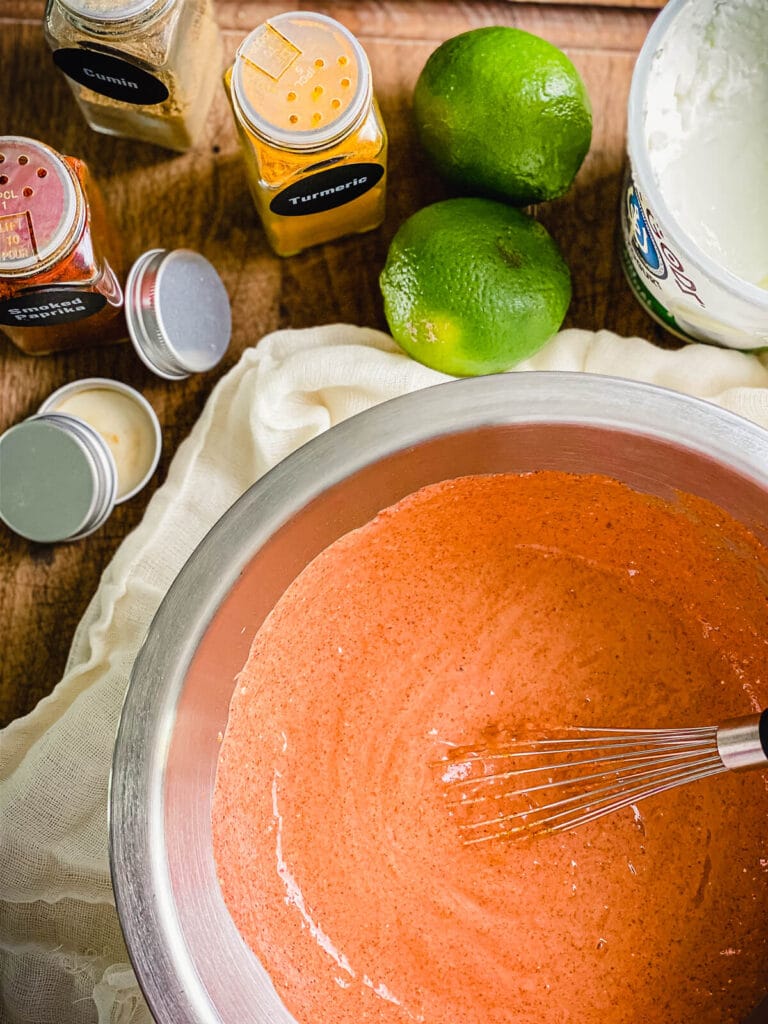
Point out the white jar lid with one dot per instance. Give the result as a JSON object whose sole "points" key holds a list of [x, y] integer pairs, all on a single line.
{"points": [[59, 479], [177, 311]]}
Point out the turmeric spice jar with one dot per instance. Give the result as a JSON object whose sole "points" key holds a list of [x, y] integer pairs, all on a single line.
{"points": [[314, 143], [145, 69], [59, 257]]}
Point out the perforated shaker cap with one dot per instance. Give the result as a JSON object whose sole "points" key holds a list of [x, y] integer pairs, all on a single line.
{"points": [[58, 480], [42, 206], [300, 81], [177, 311]]}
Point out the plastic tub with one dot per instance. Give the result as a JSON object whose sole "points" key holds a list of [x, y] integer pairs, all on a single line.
{"points": [[680, 285]]}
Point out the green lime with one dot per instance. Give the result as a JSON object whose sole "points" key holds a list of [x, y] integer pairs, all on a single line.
{"points": [[504, 113], [473, 286]]}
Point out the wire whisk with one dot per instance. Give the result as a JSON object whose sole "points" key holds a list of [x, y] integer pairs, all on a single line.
{"points": [[510, 787]]}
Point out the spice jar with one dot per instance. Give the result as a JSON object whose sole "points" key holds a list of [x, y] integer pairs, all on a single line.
{"points": [[314, 144], [58, 289], [146, 69], [58, 253]]}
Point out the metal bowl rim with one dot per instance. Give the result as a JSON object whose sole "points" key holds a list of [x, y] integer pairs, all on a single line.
{"points": [[135, 799]]}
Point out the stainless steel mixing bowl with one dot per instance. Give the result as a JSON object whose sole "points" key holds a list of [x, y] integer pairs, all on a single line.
{"points": [[190, 960]]}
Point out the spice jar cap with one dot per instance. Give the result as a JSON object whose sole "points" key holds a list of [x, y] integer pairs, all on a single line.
{"points": [[58, 478], [177, 311], [123, 418], [41, 212]]}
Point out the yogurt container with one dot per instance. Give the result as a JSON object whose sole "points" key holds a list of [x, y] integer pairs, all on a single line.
{"points": [[694, 204]]}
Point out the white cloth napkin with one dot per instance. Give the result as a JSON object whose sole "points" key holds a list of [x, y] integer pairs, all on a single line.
{"points": [[62, 958]]}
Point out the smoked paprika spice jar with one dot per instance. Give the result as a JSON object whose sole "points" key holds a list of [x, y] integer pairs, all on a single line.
{"points": [[312, 137], [59, 256], [58, 288]]}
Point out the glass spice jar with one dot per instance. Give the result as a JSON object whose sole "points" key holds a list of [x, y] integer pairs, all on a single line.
{"points": [[58, 253], [145, 69], [314, 143]]}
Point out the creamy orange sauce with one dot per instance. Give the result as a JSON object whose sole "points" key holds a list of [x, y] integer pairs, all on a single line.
{"points": [[543, 600]]}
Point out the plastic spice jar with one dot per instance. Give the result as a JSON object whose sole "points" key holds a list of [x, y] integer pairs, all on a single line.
{"points": [[145, 69], [58, 253], [314, 144]]}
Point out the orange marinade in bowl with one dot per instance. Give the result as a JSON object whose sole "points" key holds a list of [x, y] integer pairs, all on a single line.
{"points": [[541, 600]]}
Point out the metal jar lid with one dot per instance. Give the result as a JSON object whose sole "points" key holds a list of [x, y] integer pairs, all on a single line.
{"points": [[177, 312], [58, 479]]}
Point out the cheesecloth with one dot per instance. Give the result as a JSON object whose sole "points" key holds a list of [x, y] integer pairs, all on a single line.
{"points": [[62, 958]]}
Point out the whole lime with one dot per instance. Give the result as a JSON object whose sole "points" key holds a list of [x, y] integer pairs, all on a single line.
{"points": [[504, 113], [473, 286]]}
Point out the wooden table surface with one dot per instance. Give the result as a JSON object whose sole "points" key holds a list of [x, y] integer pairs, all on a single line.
{"points": [[200, 200]]}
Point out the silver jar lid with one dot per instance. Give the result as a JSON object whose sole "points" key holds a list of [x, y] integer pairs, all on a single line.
{"points": [[58, 479], [118, 11], [177, 311]]}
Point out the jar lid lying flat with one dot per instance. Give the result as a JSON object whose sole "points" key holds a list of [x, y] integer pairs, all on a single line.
{"points": [[58, 477], [177, 311]]}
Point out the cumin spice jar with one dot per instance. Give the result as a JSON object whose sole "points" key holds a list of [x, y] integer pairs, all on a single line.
{"points": [[59, 257], [314, 143], [145, 69]]}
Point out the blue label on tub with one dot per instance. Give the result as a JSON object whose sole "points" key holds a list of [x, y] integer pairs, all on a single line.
{"points": [[642, 242]]}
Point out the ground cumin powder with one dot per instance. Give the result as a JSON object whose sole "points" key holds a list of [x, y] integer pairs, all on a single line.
{"points": [[177, 43]]}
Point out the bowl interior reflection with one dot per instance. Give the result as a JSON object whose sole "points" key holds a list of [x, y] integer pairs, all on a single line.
{"points": [[188, 955]]}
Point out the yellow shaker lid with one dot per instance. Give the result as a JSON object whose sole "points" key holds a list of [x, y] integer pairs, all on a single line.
{"points": [[300, 80]]}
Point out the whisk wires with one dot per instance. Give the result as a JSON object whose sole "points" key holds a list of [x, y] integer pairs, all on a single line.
{"points": [[521, 787]]}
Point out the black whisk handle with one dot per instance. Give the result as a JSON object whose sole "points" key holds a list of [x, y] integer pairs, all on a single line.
{"points": [[742, 743]]}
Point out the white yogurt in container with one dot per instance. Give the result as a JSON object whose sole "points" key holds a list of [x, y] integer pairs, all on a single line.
{"points": [[694, 211]]}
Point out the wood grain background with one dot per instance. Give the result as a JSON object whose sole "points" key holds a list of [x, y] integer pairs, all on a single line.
{"points": [[200, 200]]}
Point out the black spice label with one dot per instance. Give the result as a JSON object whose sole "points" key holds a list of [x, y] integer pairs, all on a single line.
{"points": [[111, 76], [50, 306], [327, 190]]}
